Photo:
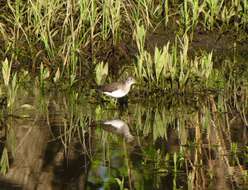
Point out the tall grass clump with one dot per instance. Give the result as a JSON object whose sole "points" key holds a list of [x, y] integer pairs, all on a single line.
{"points": [[212, 10], [101, 71], [170, 64], [190, 11], [44, 74], [210, 15], [165, 11], [42, 17], [244, 13], [4, 162], [111, 20], [140, 35], [6, 71], [185, 16], [15, 19], [11, 83]]}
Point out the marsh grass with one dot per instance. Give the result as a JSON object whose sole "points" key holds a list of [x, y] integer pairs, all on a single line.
{"points": [[120, 183], [12, 93], [44, 74], [11, 83], [69, 35], [6, 71], [170, 64], [101, 71], [4, 162]]}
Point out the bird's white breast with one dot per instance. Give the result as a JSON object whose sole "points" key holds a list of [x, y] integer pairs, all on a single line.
{"points": [[117, 93]]}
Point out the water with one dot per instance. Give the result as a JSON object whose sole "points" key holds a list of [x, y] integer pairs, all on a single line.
{"points": [[55, 139]]}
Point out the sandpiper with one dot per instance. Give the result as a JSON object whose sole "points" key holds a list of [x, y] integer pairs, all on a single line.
{"points": [[118, 89]]}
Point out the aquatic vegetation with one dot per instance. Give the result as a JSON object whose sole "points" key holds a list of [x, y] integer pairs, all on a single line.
{"points": [[11, 84], [57, 76], [90, 28], [185, 123], [4, 162], [211, 14], [6, 71], [171, 65], [165, 11], [101, 70], [120, 183], [44, 74], [112, 19], [12, 93], [185, 18]]}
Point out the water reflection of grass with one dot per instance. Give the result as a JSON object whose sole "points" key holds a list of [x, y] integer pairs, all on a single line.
{"points": [[186, 139], [172, 141]]}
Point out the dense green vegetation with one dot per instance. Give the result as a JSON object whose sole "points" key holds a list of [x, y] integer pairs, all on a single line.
{"points": [[187, 114], [70, 38]]}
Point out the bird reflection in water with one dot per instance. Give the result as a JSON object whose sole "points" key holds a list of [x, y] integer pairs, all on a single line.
{"points": [[119, 127]]}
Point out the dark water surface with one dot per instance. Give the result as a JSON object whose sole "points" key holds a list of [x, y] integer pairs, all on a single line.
{"points": [[65, 139]]}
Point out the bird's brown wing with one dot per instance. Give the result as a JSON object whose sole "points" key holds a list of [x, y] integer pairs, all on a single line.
{"points": [[109, 87]]}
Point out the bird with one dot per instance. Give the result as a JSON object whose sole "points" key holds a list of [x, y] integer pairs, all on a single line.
{"points": [[118, 89], [119, 127]]}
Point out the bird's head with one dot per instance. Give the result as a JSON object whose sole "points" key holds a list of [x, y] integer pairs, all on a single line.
{"points": [[130, 81]]}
